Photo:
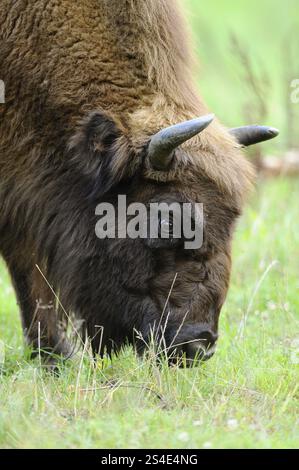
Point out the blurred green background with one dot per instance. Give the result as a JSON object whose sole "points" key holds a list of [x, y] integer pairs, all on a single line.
{"points": [[248, 53], [247, 395]]}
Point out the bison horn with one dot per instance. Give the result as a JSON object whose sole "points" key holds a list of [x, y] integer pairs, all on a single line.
{"points": [[250, 135], [162, 145]]}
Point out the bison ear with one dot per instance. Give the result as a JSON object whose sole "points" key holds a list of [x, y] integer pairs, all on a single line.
{"points": [[97, 134], [93, 150]]}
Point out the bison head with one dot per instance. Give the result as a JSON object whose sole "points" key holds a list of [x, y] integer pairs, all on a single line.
{"points": [[144, 288]]}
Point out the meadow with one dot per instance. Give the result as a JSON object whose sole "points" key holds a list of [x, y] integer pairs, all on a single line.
{"points": [[246, 396]]}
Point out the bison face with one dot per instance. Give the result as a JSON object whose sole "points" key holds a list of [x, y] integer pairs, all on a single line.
{"points": [[187, 283], [157, 287]]}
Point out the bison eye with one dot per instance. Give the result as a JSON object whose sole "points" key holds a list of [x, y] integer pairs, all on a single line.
{"points": [[166, 227]]}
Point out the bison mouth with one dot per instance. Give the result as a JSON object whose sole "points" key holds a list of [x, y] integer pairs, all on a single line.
{"points": [[190, 352]]}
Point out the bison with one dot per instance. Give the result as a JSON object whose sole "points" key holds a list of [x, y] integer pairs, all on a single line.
{"points": [[100, 102]]}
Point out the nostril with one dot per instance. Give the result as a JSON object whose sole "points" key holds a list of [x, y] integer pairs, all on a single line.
{"points": [[208, 338]]}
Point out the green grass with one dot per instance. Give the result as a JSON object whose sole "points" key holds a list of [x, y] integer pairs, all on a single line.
{"points": [[246, 396]]}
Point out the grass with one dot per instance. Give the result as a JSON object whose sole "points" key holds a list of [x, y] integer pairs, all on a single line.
{"points": [[244, 397]]}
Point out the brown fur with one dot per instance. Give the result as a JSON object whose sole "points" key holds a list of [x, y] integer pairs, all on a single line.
{"points": [[130, 60]]}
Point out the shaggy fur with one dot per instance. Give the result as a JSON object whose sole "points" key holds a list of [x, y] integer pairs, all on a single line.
{"points": [[87, 84]]}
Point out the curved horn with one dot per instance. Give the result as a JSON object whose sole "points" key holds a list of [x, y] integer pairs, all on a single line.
{"points": [[163, 144], [250, 135]]}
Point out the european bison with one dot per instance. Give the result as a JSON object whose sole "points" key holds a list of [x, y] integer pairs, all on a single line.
{"points": [[92, 88]]}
